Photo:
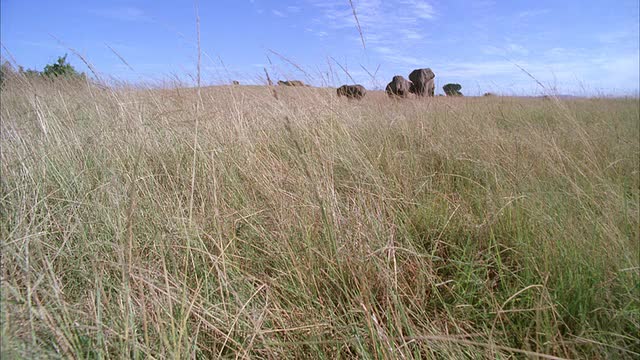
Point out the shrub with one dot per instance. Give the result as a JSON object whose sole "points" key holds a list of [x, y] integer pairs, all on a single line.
{"points": [[61, 68], [452, 89]]}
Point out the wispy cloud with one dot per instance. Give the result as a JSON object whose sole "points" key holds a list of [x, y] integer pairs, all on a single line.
{"points": [[421, 9], [552, 69], [127, 13], [517, 49], [286, 11], [557, 53], [627, 35], [509, 50], [383, 49], [389, 27], [411, 34], [377, 16], [319, 33]]}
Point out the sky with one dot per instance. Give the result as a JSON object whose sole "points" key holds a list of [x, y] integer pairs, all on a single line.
{"points": [[579, 47]]}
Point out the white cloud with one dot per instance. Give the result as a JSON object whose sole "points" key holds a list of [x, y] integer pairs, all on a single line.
{"points": [[421, 9], [411, 34], [476, 69], [517, 49], [278, 13], [383, 49], [384, 19], [390, 28], [627, 35], [509, 50], [319, 33], [403, 61], [571, 74]]}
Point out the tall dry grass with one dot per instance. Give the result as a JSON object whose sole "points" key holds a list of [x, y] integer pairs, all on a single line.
{"points": [[320, 227]]}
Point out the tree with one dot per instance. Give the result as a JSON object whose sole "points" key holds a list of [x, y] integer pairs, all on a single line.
{"points": [[452, 89], [61, 68], [30, 73]]}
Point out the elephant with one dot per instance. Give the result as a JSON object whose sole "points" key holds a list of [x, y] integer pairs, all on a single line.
{"points": [[352, 91], [291, 83], [235, 82], [398, 87], [423, 82], [452, 89]]}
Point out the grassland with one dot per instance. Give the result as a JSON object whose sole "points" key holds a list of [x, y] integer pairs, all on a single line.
{"points": [[159, 224]]}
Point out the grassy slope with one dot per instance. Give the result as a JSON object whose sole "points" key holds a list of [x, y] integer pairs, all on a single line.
{"points": [[319, 227]]}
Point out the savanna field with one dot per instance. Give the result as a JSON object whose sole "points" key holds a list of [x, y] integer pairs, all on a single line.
{"points": [[243, 223]]}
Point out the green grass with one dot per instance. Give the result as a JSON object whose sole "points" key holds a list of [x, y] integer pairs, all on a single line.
{"points": [[316, 227]]}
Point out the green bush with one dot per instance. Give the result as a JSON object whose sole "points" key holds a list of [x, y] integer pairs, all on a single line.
{"points": [[61, 68], [452, 89]]}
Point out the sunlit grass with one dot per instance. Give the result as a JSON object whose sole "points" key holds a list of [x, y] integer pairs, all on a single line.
{"points": [[320, 227]]}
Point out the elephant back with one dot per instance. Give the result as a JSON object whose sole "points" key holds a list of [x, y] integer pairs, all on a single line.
{"points": [[352, 91], [421, 75]]}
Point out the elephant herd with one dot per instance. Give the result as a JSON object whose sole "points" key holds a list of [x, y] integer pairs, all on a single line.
{"points": [[421, 82]]}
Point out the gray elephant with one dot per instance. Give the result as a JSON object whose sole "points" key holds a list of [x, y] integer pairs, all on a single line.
{"points": [[398, 87], [291, 83], [423, 82], [352, 91]]}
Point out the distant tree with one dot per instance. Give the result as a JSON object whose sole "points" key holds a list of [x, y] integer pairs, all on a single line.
{"points": [[452, 89], [489, 94], [29, 72], [61, 68]]}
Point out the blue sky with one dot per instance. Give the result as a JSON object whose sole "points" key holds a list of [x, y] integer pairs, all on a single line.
{"points": [[578, 47]]}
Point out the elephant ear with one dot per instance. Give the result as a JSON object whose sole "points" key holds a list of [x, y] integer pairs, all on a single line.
{"points": [[429, 73]]}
